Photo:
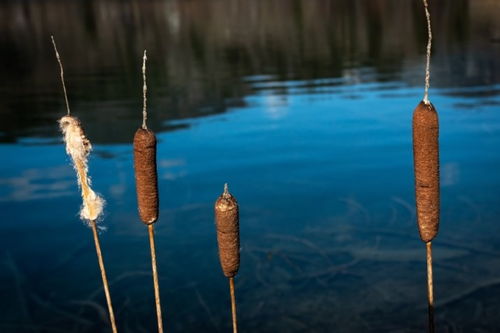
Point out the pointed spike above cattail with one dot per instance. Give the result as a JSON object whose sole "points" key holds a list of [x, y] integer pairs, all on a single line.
{"points": [[144, 92]]}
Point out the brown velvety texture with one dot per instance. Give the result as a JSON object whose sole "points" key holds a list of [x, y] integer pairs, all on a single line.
{"points": [[426, 165], [145, 175], [228, 233]]}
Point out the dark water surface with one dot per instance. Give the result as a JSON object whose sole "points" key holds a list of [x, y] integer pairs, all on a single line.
{"points": [[304, 108]]}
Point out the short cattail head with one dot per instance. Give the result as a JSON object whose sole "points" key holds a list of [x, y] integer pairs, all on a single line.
{"points": [[146, 175], [228, 232], [78, 148], [426, 165]]}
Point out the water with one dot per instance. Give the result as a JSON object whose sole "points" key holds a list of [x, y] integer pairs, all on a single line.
{"points": [[304, 108]]}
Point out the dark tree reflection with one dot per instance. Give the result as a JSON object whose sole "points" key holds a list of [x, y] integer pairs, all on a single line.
{"points": [[200, 51]]}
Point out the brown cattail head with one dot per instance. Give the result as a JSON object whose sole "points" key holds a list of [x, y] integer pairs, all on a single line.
{"points": [[426, 165], [145, 175], [228, 232]]}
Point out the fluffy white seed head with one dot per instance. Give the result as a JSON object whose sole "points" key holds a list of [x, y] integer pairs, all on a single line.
{"points": [[92, 206], [77, 144], [78, 148]]}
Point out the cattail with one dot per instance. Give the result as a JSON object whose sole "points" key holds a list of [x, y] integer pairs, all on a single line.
{"points": [[145, 175], [426, 165], [146, 181], [78, 147], [228, 232], [228, 240]]}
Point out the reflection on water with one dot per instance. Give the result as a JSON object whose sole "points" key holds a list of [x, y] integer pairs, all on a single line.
{"points": [[305, 109], [200, 52]]}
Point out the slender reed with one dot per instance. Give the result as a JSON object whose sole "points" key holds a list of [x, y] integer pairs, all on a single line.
{"points": [[233, 305], [428, 54], [61, 74], [430, 288], [426, 166], [78, 147], [228, 240], [147, 187], [104, 278]]}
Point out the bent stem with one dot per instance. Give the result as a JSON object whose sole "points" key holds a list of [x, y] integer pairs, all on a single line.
{"points": [[93, 225], [430, 287], [155, 277], [233, 304]]}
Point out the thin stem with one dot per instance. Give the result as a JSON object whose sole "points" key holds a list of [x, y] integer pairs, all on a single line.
{"points": [[144, 92], [93, 224], [62, 74], [155, 277], [429, 46], [233, 304], [430, 287]]}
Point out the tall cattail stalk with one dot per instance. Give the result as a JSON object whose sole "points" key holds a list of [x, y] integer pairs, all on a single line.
{"points": [[78, 147], [147, 187], [426, 165], [228, 239]]}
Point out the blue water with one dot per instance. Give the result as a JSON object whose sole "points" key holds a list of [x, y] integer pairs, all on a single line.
{"points": [[323, 180]]}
